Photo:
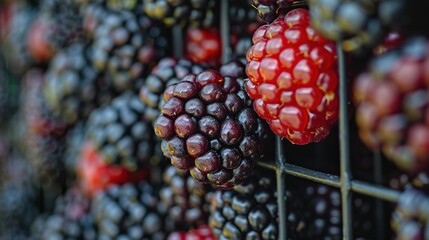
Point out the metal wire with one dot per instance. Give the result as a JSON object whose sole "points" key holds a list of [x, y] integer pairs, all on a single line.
{"points": [[344, 181]]}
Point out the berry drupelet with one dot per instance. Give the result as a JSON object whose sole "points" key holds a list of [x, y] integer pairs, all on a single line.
{"points": [[293, 78], [165, 73], [71, 219], [72, 87], [208, 126], [197, 13], [269, 10], [119, 133], [392, 111], [186, 199], [201, 233], [248, 211], [410, 218], [125, 45], [131, 211], [203, 45]]}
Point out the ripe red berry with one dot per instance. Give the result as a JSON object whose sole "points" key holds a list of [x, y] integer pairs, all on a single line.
{"points": [[38, 43], [203, 45], [96, 175], [293, 78], [202, 233]]}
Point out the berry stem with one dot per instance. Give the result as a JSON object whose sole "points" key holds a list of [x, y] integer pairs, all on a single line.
{"points": [[345, 176], [225, 32]]}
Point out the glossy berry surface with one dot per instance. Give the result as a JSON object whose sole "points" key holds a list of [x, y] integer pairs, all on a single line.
{"points": [[392, 111], [409, 220], [95, 175], [186, 199], [269, 10], [197, 13], [130, 211], [165, 73], [119, 133], [248, 211], [208, 126], [203, 45], [293, 78], [201, 233]]}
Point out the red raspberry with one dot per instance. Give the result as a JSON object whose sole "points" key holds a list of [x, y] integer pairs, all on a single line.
{"points": [[202, 233], [293, 78], [203, 45], [96, 175]]}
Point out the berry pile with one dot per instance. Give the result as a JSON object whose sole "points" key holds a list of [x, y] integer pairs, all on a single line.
{"points": [[155, 119], [392, 111]]}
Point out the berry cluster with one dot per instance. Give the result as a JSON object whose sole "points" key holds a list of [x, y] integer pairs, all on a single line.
{"points": [[148, 119]]}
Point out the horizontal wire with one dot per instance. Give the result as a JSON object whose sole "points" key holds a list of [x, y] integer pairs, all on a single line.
{"points": [[334, 181]]}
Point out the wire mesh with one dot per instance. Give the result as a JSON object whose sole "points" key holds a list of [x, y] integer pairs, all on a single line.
{"points": [[344, 182]]}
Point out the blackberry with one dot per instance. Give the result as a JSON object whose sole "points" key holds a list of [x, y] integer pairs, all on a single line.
{"points": [[45, 132], [167, 72], [208, 126], [392, 112], [73, 88], [16, 39], [64, 22], [322, 218], [125, 45], [73, 146], [269, 10], [361, 24], [186, 199], [18, 197], [130, 212], [248, 211], [196, 13], [71, 219], [119, 134], [402, 181], [410, 218]]}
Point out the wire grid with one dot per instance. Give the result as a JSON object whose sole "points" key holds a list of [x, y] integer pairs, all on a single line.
{"points": [[344, 182]]}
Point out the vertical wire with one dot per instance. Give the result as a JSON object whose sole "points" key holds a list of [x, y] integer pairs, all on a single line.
{"points": [[379, 210], [225, 31], [177, 32], [345, 175], [281, 188]]}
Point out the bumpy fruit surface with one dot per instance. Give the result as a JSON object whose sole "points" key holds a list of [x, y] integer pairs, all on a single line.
{"points": [[167, 72], [269, 10], [95, 175], [203, 45], [293, 78], [249, 211], [201, 233], [392, 111], [130, 211], [410, 218], [186, 199], [208, 126]]}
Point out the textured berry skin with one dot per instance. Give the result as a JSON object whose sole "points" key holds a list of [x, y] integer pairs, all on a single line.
{"points": [[203, 45], [71, 218], [409, 220], [186, 199], [167, 72], [95, 175], [196, 13], [293, 78], [73, 89], [37, 42], [249, 211], [269, 10], [201, 233], [125, 45], [119, 133], [392, 111], [130, 211], [45, 132], [208, 126]]}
